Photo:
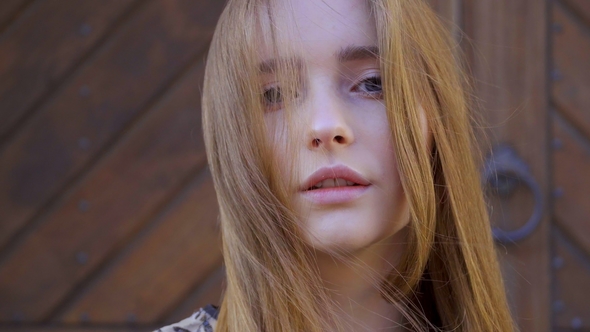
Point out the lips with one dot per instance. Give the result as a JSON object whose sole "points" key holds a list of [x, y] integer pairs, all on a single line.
{"points": [[334, 185], [330, 183], [341, 176]]}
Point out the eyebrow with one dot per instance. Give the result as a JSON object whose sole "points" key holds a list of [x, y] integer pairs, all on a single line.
{"points": [[349, 53], [270, 66], [352, 53]]}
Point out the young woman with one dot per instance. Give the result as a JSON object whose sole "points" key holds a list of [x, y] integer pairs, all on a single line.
{"points": [[339, 141]]}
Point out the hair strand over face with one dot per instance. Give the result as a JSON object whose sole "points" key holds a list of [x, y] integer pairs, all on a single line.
{"points": [[449, 263]]}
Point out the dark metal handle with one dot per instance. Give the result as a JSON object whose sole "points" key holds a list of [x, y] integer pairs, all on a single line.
{"points": [[503, 171]]}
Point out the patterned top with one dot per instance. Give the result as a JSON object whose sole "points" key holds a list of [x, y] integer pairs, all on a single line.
{"points": [[203, 320]]}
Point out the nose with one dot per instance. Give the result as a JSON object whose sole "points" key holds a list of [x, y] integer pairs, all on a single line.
{"points": [[328, 128]]}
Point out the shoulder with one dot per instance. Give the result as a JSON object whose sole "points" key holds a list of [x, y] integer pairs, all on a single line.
{"points": [[203, 320]]}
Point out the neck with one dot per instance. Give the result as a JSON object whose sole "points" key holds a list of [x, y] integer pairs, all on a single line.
{"points": [[353, 282]]}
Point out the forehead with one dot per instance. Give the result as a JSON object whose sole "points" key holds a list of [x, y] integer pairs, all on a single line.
{"points": [[317, 28]]}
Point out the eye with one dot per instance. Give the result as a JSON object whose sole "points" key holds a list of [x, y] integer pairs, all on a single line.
{"points": [[272, 98], [272, 95], [370, 86]]}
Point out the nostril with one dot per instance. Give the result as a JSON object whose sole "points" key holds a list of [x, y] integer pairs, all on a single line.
{"points": [[316, 142], [339, 139]]}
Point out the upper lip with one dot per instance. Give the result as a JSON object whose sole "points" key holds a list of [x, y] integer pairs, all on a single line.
{"points": [[334, 172]]}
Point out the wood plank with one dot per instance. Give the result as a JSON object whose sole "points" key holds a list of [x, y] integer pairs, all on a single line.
{"points": [[9, 9], [581, 8], [209, 292], [571, 56], [450, 11], [110, 91], [508, 56], [571, 162], [571, 267], [100, 214], [21, 328], [41, 49], [162, 267], [447, 9]]}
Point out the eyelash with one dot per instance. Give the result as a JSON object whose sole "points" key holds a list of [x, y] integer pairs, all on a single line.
{"points": [[272, 92], [273, 96], [371, 81]]}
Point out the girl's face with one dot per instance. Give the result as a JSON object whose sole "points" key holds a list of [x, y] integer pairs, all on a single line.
{"points": [[349, 193]]}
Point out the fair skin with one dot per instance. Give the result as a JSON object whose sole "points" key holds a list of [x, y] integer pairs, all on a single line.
{"points": [[342, 132]]}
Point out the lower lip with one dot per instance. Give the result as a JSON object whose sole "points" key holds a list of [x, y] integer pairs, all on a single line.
{"points": [[335, 195]]}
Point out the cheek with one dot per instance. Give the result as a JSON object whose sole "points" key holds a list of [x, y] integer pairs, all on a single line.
{"points": [[379, 141], [280, 138], [275, 135], [376, 137]]}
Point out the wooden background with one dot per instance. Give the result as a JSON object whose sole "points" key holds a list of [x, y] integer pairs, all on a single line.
{"points": [[107, 211]]}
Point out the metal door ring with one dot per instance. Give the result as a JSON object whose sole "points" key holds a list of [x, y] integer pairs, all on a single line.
{"points": [[503, 171]]}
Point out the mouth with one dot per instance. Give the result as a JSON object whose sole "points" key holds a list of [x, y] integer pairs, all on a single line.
{"points": [[332, 177], [334, 185], [331, 183]]}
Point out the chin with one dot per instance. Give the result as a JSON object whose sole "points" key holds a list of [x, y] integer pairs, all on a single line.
{"points": [[348, 233]]}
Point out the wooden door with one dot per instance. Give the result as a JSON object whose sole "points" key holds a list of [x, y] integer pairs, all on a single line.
{"points": [[531, 65], [98, 233], [507, 47], [570, 158], [108, 219]]}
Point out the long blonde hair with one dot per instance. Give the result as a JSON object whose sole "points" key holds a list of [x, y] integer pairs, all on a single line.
{"points": [[449, 264]]}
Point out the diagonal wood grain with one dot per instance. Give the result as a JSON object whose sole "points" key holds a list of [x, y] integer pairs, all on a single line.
{"points": [[571, 56], [100, 214], [17, 328], [161, 268], [571, 268], [580, 7], [571, 162], [91, 111], [42, 48], [8, 10], [208, 292]]}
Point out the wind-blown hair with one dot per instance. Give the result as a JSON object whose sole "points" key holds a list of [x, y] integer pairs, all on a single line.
{"points": [[448, 277]]}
